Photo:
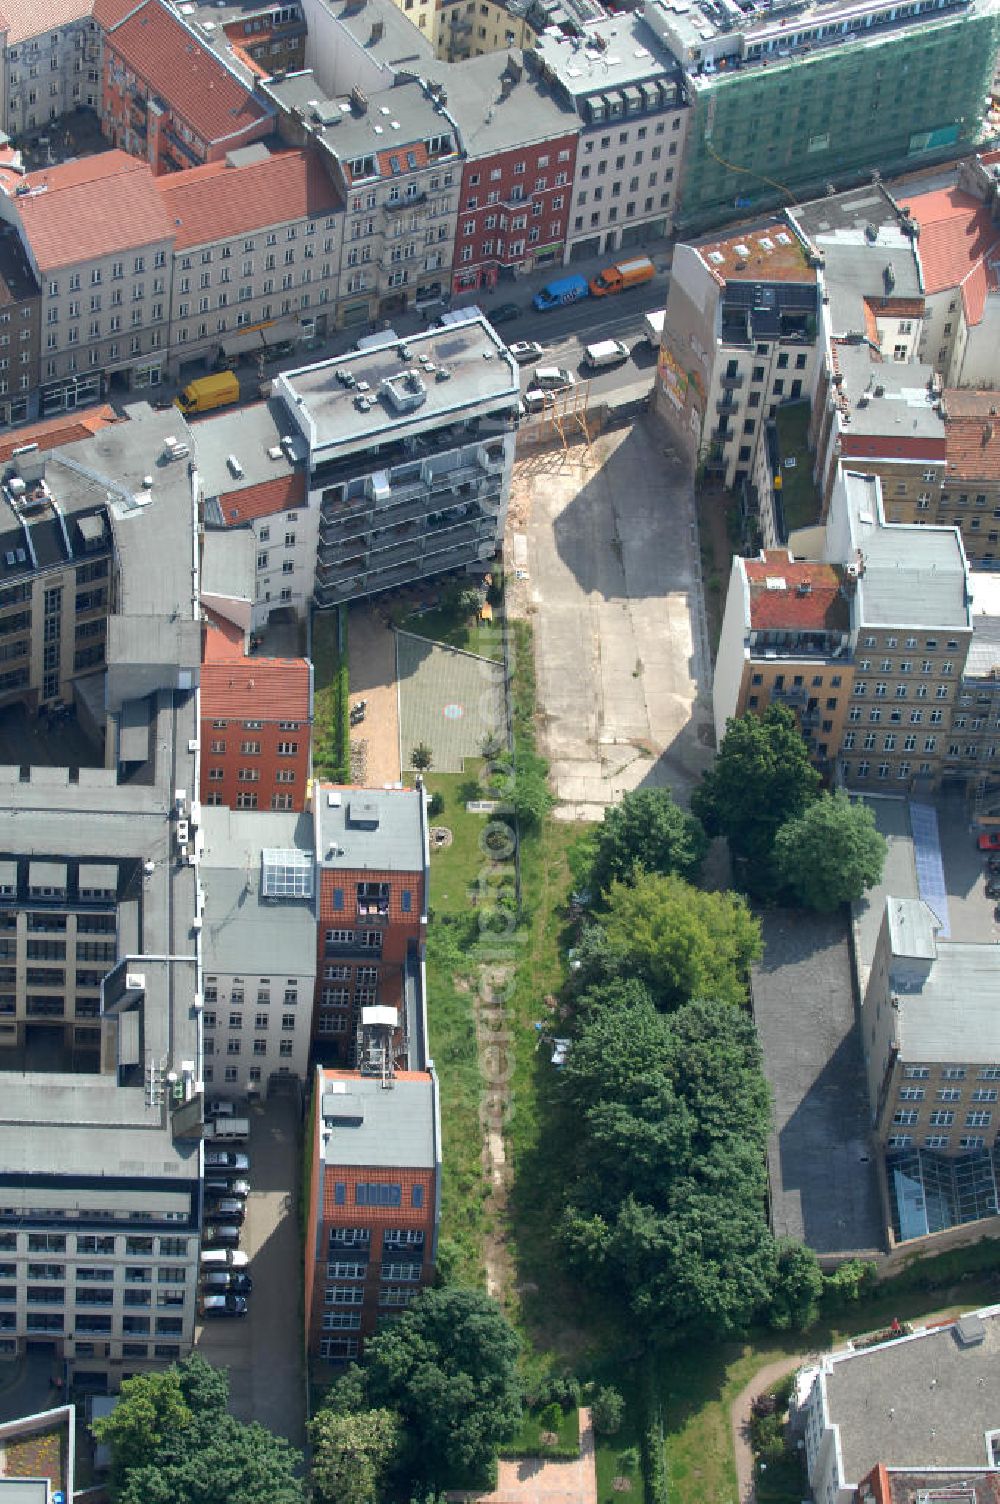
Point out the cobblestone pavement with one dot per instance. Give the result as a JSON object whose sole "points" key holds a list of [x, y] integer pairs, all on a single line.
{"points": [[448, 699]]}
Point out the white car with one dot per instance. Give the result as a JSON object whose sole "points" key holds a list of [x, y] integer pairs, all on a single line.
{"points": [[524, 350], [553, 378]]}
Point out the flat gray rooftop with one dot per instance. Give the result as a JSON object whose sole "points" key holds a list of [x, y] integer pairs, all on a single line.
{"points": [[955, 1015], [370, 1125], [247, 434], [228, 563], [614, 52], [913, 575], [820, 1163], [244, 930], [494, 115], [925, 1401], [481, 375], [370, 829]]}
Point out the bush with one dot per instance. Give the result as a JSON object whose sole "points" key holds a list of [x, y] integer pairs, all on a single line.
{"points": [[549, 1418], [628, 1460], [607, 1411], [654, 1467], [562, 1390], [435, 806], [767, 1435]]}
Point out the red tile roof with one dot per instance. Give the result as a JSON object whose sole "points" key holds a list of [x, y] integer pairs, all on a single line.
{"points": [[221, 640], [967, 402], [215, 202], [182, 70], [262, 689], [90, 208], [265, 499], [52, 433], [890, 445], [957, 235], [973, 449], [821, 607], [31, 18], [108, 13]]}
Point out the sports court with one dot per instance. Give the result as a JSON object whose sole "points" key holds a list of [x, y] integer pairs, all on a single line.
{"points": [[448, 698]]}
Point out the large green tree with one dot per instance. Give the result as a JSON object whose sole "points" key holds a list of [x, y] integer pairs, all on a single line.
{"points": [[352, 1455], [680, 941], [151, 1408], [646, 832], [217, 1458], [668, 1203], [831, 853], [448, 1368], [761, 777]]}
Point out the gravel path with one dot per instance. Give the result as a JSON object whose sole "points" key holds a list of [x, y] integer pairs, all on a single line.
{"points": [[739, 1418]]}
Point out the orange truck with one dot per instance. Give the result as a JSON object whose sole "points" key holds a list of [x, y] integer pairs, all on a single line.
{"points": [[623, 275]]}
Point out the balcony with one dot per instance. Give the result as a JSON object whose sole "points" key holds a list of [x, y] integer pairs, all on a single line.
{"points": [[732, 383], [408, 201], [726, 405]]}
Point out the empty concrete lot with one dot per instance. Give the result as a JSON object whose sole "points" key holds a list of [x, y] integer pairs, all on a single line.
{"points": [[820, 1161], [606, 540], [263, 1350]]}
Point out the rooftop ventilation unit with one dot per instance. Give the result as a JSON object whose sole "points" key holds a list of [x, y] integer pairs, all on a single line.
{"points": [[404, 392]]}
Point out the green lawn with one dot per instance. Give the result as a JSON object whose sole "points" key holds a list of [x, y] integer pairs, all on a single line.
{"points": [[527, 1441], [800, 499], [331, 752], [446, 624]]}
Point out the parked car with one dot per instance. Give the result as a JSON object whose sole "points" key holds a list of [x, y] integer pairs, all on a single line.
{"points": [[223, 1258], [219, 1187], [226, 1159], [226, 1208], [990, 841], [993, 888], [524, 350], [553, 378], [993, 863], [223, 1281], [503, 313], [224, 1305], [221, 1234]]}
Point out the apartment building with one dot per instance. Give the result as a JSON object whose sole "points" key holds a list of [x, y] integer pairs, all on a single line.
{"points": [[627, 91], [974, 744], [170, 115], [98, 240], [256, 253], [20, 330], [258, 875], [253, 472], [879, 1419], [397, 163], [739, 340], [958, 246], [100, 1106], [969, 494], [256, 728], [374, 868], [517, 177], [473, 28], [374, 1199], [932, 1053], [788, 98], [410, 451], [267, 40], [869, 652], [56, 572], [51, 63]]}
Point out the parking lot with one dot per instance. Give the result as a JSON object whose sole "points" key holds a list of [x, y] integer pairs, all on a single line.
{"points": [[263, 1350], [604, 541]]}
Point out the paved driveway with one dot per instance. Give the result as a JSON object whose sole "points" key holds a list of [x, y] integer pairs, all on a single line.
{"points": [[371, 661], [606, 540], [263, 1352]]}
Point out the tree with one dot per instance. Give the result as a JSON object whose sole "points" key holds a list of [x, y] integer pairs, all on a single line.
{"points": [[647, 832], [682, 942], [448, 1367], [352, 1455], [762, 777], [798, 1286], [205, 1389], [151, 1408], [528, 792], [216, 1457], [435, 806], [607, 1410], [831, 853], [668, 1203], [421, 757]]}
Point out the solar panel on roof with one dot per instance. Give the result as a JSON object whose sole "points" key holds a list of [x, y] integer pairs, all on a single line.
{"points": [[927, 860], [286, 873]]}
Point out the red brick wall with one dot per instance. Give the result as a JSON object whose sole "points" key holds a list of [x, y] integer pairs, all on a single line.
{"points": [[376, 1219], [267, 763], [552, 222]]}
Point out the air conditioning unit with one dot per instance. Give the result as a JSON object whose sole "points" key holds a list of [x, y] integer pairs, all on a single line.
{"points": [[182, 831]]}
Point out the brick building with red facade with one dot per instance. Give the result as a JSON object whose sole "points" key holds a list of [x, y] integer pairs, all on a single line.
{"points": [[371, 1232], [256, 724], [167, 98], [373, 1202], [517, 178]]}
